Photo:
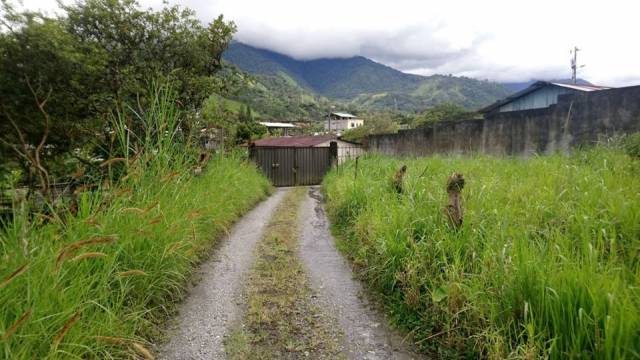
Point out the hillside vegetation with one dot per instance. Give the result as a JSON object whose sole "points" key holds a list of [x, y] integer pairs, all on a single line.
{"points": [[545, 264], [363, 83]]}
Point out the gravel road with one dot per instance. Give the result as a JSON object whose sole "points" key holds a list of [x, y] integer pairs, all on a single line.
{"points": [[366, 334], [215, 302]]}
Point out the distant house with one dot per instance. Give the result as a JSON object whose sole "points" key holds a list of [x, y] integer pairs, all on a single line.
{"points": [[339, 122], [346, 149], [279, 127], [540, 94]]}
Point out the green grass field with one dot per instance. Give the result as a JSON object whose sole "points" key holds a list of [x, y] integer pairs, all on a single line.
{"points": [[546, 263]]}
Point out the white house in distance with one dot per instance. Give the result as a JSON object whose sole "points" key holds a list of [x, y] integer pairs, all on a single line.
{"points": [[339, 122], [284, 128]]}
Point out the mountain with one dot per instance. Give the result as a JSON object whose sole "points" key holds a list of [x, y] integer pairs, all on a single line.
{"points": [[363, 83]]}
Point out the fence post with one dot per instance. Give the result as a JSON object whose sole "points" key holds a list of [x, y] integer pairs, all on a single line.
{"points": [[252, 150], [355, 175], [333, 152]]}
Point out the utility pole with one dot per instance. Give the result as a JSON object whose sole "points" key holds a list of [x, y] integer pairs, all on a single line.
{"points": [[574, 64]]}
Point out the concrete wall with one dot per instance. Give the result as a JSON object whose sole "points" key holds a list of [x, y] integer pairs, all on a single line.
{"points": [[577, 119]]}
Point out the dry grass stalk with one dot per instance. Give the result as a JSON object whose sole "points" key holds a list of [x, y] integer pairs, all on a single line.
{"points": [[133, 209], [12, 329], [111, 339], [174, 247], [155, 220], [68, 250], [194, 214], [19, 271], [65, 329], [88, 255], [170, 176], [152, 206], [113, 160], [144, 233], [121, 192], [134, 272], [146, 354], [91, 221]]}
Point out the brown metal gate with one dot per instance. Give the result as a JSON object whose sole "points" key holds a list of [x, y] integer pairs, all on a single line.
{"points": [[293, 166]]}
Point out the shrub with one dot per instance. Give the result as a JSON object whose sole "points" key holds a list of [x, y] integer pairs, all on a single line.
{"points": [[631, 145]]}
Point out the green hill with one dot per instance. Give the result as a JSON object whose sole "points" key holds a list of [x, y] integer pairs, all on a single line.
{"points": [[363, 83]]}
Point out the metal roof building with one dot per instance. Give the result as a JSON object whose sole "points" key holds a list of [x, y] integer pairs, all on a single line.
{"points": [[540, 94]]}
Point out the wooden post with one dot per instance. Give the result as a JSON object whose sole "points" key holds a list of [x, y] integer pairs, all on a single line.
{"points": [[453, 211], [333, 151], [355, 175], [398, 179]]}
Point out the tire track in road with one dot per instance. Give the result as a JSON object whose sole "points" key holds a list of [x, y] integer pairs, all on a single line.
{"points": [[366, 334], [215, 302]]}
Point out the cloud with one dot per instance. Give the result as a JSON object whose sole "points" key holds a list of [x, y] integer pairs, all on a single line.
{"points": [[499, 40]]}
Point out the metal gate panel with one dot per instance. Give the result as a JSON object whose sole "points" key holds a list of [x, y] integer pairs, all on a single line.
{"points": [[291, 166]]}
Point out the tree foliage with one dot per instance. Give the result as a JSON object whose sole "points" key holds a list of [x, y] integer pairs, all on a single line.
{"points": [[376, 123], [91, 59], [443, 112]]}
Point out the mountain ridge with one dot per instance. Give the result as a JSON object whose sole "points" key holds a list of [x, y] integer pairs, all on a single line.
{"points": [[360, 81]]}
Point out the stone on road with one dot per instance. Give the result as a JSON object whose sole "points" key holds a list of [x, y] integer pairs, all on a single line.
{"points": [[213, 304], [366, 334]]}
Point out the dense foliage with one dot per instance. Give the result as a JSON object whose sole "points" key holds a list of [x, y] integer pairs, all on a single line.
{"points": [[443, 112], [61, 77], [545, 264], [377, 123], [366, 84], [631, 145]]}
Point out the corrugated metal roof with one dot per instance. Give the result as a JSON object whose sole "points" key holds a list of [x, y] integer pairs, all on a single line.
{"points": [[294, 141], [535, 86], [582, 87], [341, 114], [277, 124]]}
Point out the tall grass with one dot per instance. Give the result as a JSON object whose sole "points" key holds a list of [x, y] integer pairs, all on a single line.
{"points": [[97, 285], [546, 263]]}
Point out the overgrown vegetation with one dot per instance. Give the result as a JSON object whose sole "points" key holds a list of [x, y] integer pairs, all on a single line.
{"points": [[631, 145], [545, 264], [98, 280], [62, 77], [281, 322], [377, 123], [443, 112]]}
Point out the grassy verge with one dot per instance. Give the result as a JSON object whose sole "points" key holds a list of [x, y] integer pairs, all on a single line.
{"points": [[544, 265], [281, 322], [96, 285]]}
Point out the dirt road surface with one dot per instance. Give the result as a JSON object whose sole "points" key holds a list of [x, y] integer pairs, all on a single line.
{"points": [[366, 334], [215, 302]]}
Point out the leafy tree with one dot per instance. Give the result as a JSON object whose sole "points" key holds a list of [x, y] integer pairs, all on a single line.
{"points": [[61, 77], [374, 123], [248, 128]]}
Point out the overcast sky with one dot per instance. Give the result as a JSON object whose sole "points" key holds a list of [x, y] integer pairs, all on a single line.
{"points": [[487, 39]]}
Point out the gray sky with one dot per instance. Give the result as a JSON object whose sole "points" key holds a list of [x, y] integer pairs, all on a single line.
{"points": [[493, 39]]}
